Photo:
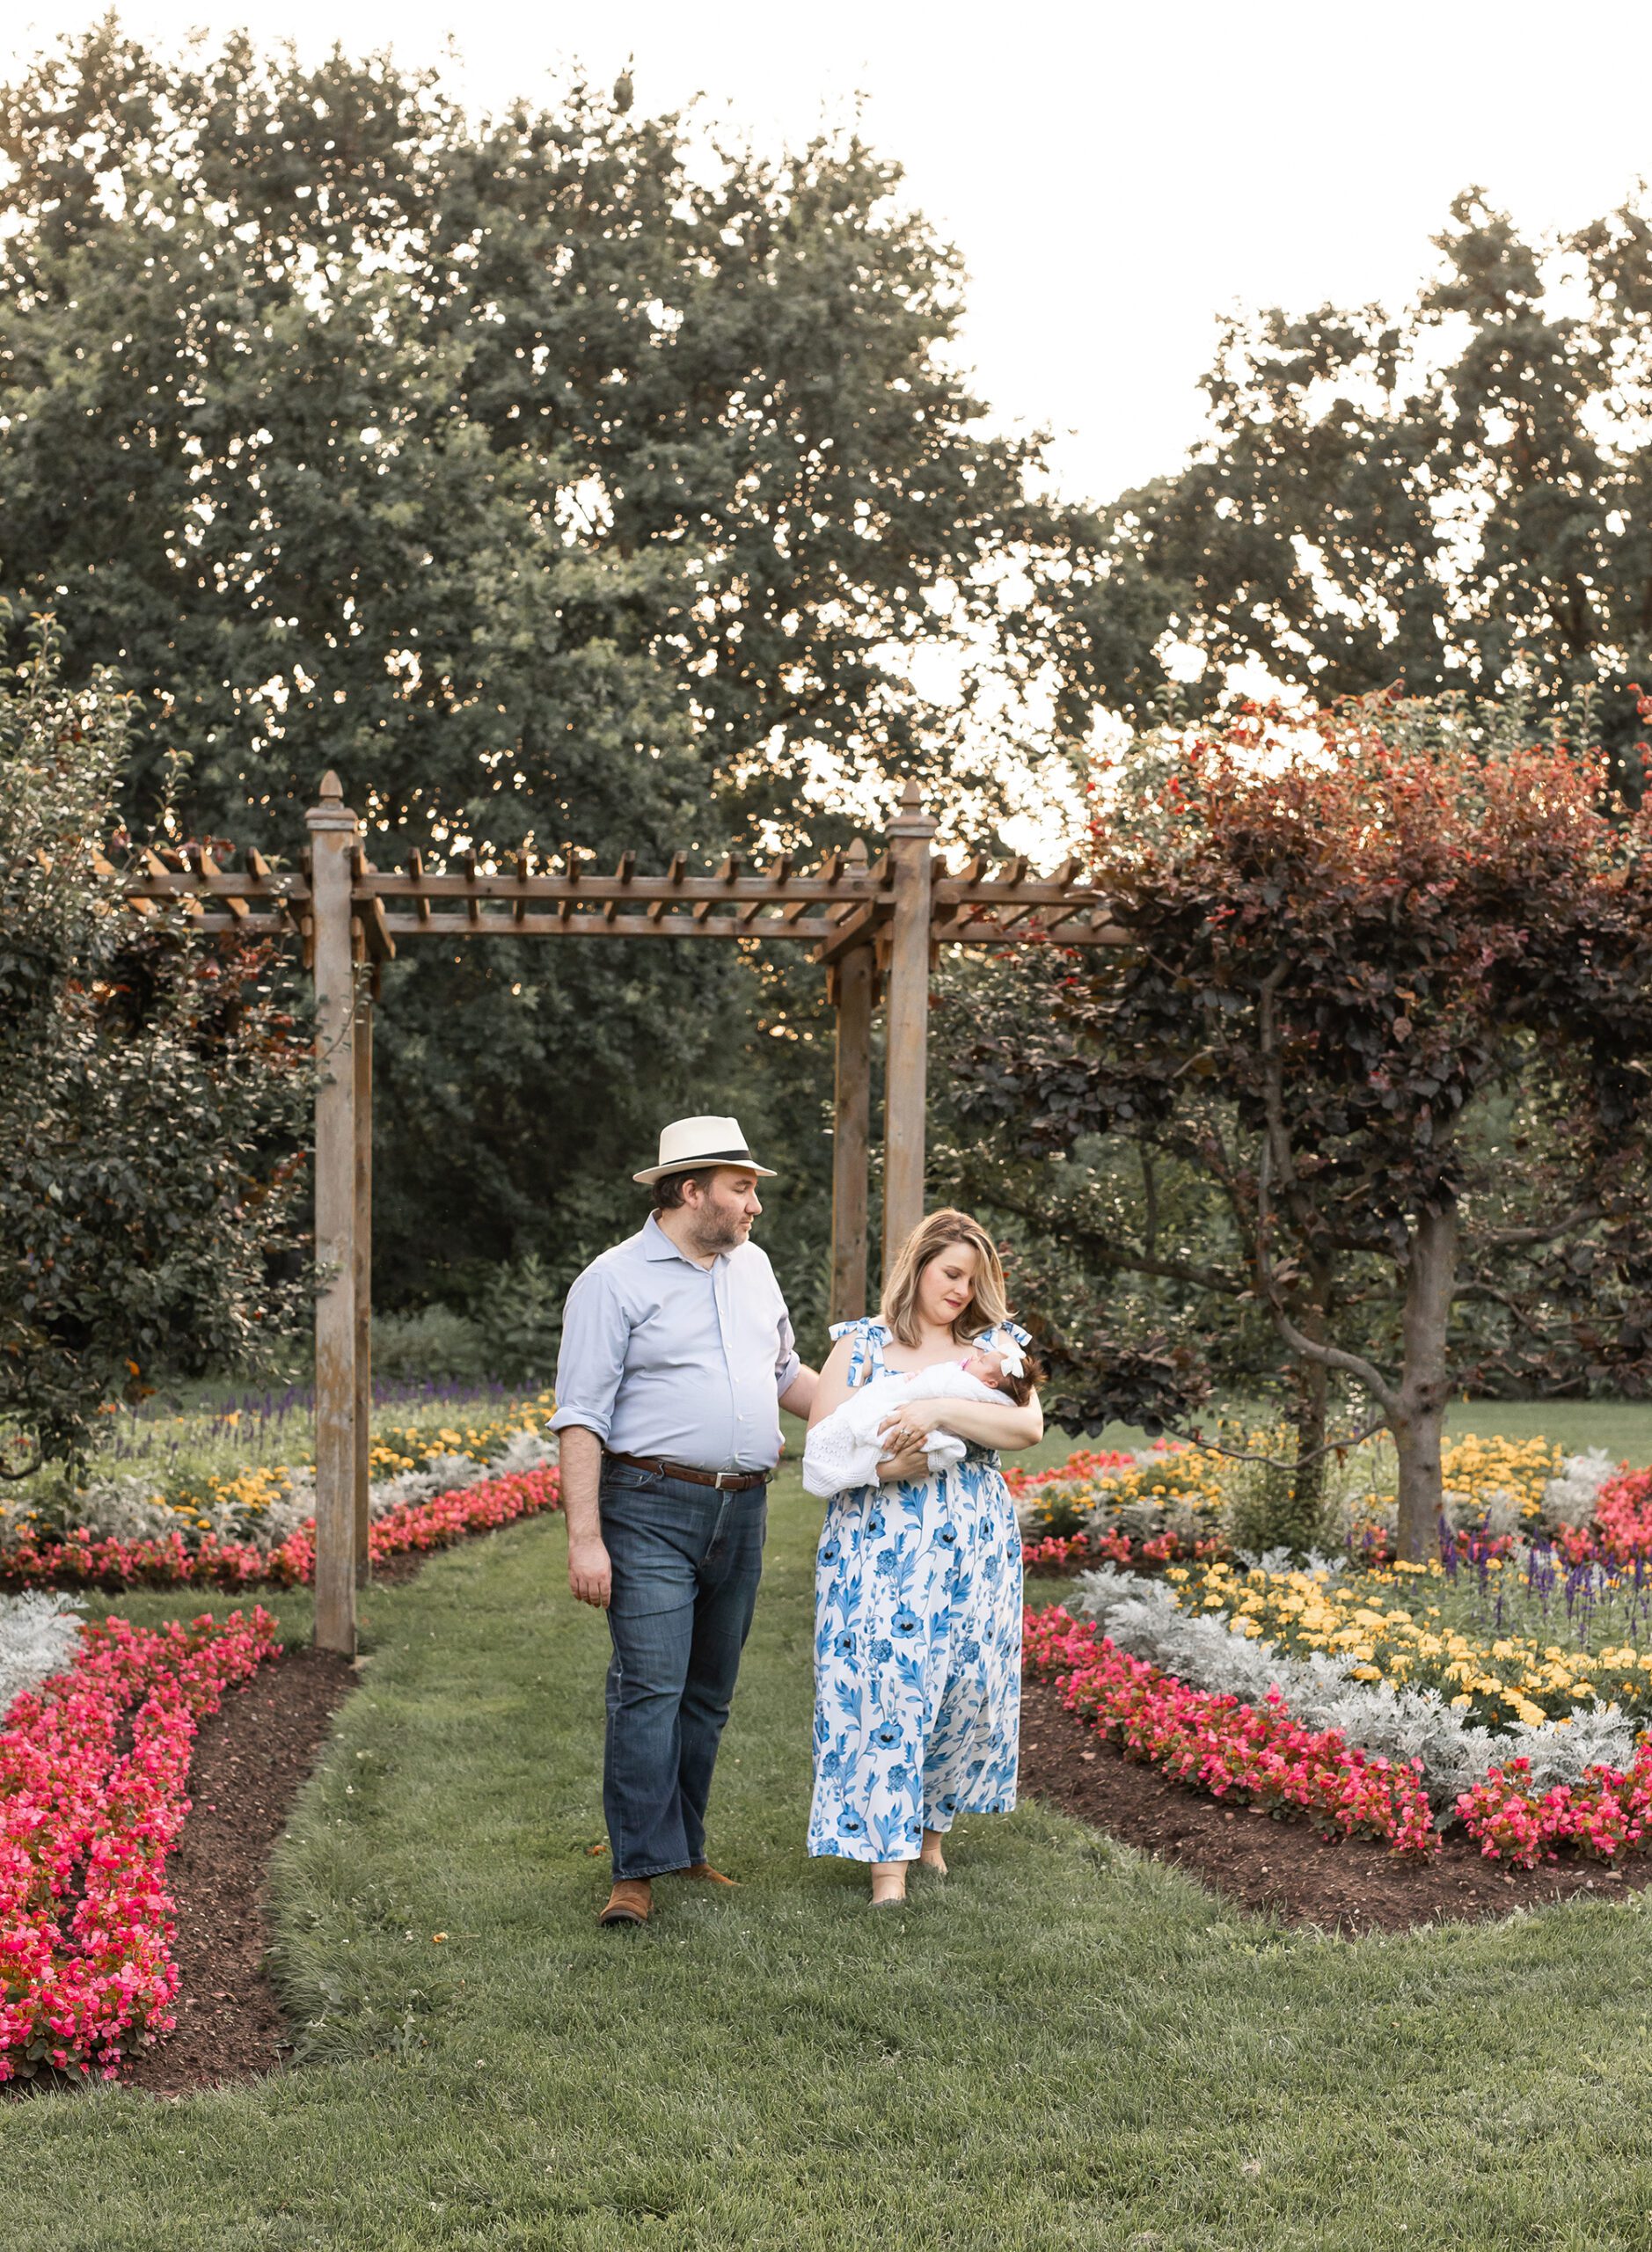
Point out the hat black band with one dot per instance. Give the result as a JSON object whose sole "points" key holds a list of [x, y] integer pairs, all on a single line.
{"points": [[710, 1157]]}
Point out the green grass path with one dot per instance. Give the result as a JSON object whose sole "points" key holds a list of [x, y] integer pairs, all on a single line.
{"points": [[1065, 2046]]}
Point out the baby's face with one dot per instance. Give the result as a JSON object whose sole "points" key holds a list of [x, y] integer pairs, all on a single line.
{"points": [[986, 1368]]}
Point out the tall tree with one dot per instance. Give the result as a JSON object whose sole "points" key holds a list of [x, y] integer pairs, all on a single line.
{"points": [[1455, 495], [565, 473], [1389, 988]]}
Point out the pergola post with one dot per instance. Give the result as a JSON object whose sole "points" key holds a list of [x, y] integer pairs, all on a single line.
{"points": [[906, 1063], [362, 1221], [852, 1120], [332, 839]]}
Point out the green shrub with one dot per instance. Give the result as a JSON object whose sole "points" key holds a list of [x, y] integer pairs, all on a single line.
{"points": [[435, 1342], [520, 1322]]}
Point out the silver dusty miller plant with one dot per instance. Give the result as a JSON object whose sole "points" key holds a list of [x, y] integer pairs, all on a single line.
{"points": [[1141, 1617]]}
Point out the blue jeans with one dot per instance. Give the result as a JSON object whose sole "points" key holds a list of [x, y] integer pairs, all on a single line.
{"points": [[686, 1562]]}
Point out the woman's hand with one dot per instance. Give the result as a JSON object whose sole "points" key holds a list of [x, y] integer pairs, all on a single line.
{"points": [[907, 1468], [910, 1426]]}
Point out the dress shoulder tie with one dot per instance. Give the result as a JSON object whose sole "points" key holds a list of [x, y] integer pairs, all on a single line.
{"points": [[867, 1360]]}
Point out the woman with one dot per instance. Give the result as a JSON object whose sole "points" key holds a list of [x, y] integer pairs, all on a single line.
{"points": [[917, 1586]]}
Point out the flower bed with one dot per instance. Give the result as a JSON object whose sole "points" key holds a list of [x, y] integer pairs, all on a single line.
{"points": [[1106, 1507], [78, 1560], [92, 1768], [1208, 1650], [156, 1476], [420, 1527], [1258, 1754], [1086, 1466], [1175, 1503], [1077, 1551], [1381, 1628], [1522, 1808]]}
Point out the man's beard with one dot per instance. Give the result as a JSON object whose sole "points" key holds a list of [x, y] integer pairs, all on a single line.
{"points": [[713, 1232]]}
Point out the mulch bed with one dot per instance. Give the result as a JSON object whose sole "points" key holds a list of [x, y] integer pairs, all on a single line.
{"points": [[250, 1759], [1282, 1867]]}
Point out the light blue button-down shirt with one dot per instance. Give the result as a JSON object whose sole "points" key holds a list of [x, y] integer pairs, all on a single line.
{"points": [[660, 1357]]}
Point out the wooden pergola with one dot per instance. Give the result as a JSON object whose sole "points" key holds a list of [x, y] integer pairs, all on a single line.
{"points": [[874, 925]]}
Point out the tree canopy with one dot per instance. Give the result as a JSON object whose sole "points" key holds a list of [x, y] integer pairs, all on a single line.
{"points": [[151, 1092], [1455, 496], [1389, 991], [566, 473]]}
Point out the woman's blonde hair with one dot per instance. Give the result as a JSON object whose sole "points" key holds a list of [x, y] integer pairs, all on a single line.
{"points": [[986, 1308]]}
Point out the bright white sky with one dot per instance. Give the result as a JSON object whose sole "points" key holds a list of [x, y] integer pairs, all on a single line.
{"points": [[1114, 174]]}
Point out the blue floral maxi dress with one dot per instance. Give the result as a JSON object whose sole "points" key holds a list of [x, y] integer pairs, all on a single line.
{"points": [[917, 1651]]}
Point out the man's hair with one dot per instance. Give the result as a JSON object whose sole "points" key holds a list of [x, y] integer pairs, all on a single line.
{"points": [[667, 1191]]}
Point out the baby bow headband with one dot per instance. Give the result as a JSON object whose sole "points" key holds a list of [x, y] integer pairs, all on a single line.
{"points": [[1007, 1340]]}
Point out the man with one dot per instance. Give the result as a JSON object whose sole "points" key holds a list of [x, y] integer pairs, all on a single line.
{"points": [[675, 1349]]}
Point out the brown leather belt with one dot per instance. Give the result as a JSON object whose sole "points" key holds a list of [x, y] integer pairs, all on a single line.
{"points": [[727, 1481]]}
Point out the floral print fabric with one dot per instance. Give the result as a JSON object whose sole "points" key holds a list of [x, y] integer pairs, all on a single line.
{"points": [[918, 1652]]}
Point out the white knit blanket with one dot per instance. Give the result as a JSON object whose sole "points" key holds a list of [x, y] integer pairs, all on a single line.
{"points": [[844, 1449]]}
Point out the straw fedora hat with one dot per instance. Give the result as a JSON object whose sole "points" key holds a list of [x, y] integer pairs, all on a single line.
{"points": [[688, 1144]]}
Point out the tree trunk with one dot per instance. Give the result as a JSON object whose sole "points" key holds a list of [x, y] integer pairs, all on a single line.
{"points": [[1425, 1382], [1311, 1412], [1308, 1420]]}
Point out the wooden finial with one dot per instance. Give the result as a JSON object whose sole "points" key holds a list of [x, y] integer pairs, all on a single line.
{"points": [[858, 855], [911, 821], [329, 812]]}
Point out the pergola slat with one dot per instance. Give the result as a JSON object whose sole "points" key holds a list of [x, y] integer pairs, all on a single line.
{"points": [[599, 924]]}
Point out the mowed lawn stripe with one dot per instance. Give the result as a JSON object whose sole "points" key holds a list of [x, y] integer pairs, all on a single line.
{"points": [[1063, 2045]]}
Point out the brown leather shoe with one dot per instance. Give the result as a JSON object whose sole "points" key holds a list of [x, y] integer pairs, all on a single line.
{"points": [[629, 1903], [706, 1875]]}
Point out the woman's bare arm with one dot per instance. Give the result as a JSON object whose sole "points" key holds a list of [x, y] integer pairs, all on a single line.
{"points": [[833, 1388], [1009, 1427]]}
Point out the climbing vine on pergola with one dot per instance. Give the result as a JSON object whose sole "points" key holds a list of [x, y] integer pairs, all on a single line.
{"points": [[874, 925]]}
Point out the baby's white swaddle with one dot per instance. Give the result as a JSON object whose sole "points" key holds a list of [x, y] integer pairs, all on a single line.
{"points": [[844, 1449]]}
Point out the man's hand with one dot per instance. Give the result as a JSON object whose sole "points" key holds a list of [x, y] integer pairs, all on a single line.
{"points": [[590, 1575]]}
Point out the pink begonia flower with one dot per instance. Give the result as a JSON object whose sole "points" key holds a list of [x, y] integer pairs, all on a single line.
{"points": [[78, 1816], [84, 1985], [1258, 1754]]}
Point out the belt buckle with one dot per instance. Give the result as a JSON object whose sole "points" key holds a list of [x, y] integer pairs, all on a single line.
{"points": [[721, 1474]]}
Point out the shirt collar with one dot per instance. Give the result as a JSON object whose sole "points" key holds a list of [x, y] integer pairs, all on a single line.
{"points": [[657, 1244]]}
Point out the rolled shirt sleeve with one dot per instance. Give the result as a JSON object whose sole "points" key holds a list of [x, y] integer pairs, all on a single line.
{"points": [[788, 1361], [591, 1359]]}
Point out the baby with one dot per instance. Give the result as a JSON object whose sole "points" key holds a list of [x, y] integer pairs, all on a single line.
{"points": [[845, 1448]]}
